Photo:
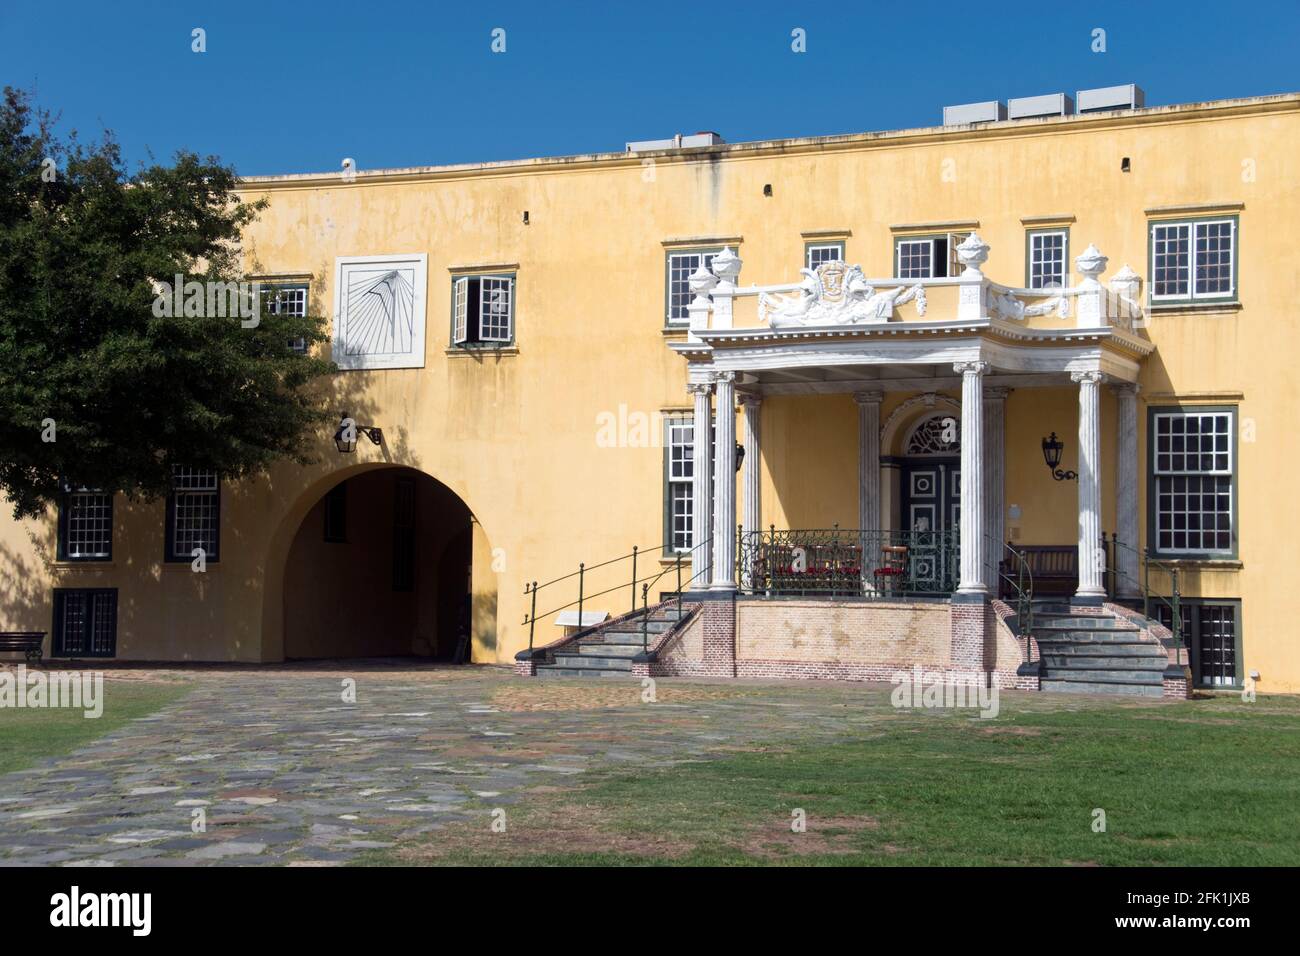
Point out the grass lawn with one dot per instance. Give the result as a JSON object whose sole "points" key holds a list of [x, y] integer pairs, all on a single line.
{"points": [[1208, 782], [27, 736]]}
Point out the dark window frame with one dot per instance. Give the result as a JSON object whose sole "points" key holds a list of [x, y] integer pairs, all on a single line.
{"points": [[1189, 611], [212, 556], [64, 516], [92, 596], [1153, 539]]}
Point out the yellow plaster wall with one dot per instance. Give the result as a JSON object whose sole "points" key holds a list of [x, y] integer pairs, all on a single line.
{"points": [[515, 435]]}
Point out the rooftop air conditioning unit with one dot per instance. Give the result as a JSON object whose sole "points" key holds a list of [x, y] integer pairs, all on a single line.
{"points": [[1050, 104], [1126, 97], [988, 112]]}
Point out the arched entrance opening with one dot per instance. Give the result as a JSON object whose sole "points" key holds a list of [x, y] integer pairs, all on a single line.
{"points": [[379, 567]]}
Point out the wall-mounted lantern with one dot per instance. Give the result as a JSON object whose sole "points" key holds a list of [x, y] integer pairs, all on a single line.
{"points": [[345, 439], [1052, 448], [740, 455]]}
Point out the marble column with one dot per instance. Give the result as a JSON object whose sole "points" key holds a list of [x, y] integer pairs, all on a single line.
{"points": [[1091, 561], [724, 484], [751, 511], [972, 477], [701, 497], [869, 481], [1126, 490], [995, 509]]}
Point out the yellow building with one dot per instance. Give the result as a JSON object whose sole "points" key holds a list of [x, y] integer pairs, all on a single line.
{"points": [[871, 317]]}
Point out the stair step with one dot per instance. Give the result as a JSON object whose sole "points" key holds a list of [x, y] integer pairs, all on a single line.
{"points": [[652, 626], [550, 670], [1081, 622], [1130, 649], [1058, 686], [601, 649], [1106, 661], [1094, 637], [1104, 675], [624, 637], [603, 662]]}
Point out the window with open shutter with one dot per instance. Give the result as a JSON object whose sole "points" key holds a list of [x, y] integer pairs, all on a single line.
{"points": [[460, 311]]}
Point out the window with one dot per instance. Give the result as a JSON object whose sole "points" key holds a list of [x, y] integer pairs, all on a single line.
{"points": [[86, 526], [1193, 498], [928, 257], [818, 252], [404, 535], [1212, 634], [287, 300], [679, 466], [1194, 260], [679, 479], [483, 310], [1049, 251], [680, 267], [336, 514], [85, 622], [193, 514]]}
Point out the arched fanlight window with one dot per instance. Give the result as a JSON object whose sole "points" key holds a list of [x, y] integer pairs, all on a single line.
{"points": [[936, 435]]}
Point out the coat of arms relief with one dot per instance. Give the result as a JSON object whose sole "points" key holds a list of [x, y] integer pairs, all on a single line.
{"points": [[836, 294]]}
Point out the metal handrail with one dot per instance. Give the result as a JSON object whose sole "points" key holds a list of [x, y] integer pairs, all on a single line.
{"points": [[531, 589], [1146, 562], [1023, 584]]}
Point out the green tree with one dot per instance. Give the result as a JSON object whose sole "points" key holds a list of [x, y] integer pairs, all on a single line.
{"points": [[83, 246]]}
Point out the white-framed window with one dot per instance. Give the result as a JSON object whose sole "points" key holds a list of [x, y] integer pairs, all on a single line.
{"points": [[1193, 493], [86, 526], [193, 514], [679, 477], [1194, 260], [287, 300], [816, 253], [928, 257], [1049, 252], [681, 265], [483, 310]]}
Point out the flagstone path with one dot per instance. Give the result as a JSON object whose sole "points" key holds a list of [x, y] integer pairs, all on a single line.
{"points": [[284, 771]]}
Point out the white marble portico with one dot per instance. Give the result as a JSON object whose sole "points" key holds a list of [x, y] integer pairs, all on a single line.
{"points": [[838, 331]]}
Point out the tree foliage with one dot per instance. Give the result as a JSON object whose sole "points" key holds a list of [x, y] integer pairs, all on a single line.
{"points": [[83, 246]]}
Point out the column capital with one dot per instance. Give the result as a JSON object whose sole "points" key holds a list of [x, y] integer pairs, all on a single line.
{"points": [[869, 397], [1125, 388], [699, 388], [1091, 377], [970, 368], [996, 392], [724, 378], [749, 399]]}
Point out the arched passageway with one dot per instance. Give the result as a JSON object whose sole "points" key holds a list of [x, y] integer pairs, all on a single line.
{"points": [[379, 567]]}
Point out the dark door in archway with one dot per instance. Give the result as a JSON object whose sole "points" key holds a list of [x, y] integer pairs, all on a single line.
{"points": [[932, 507], [378, 568]]}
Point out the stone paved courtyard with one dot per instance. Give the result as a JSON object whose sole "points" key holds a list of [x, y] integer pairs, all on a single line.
{"points": [[286, 772]]}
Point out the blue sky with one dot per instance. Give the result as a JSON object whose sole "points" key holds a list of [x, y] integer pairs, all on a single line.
{"points": [[287, 87]]}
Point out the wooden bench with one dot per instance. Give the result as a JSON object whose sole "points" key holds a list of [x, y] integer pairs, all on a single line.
{"points": [[1055, 569], [29, 643]]}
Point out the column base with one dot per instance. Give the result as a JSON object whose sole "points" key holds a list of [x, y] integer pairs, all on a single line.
{"points": [[1087, 600]]}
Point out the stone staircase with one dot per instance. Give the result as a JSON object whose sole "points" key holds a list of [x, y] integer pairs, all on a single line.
{"points": [[1096, 654], [608, 650]]}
